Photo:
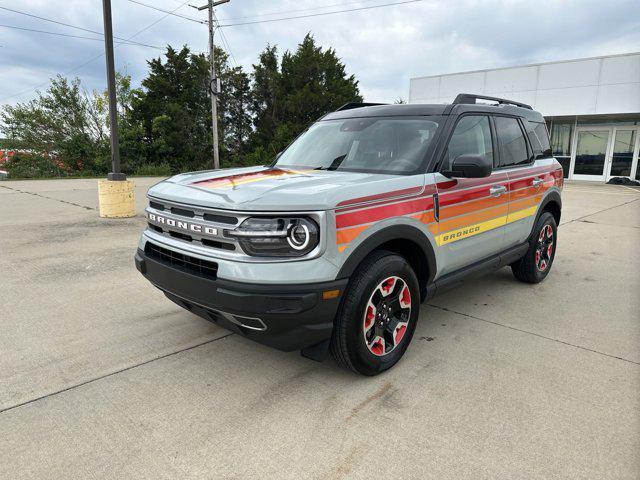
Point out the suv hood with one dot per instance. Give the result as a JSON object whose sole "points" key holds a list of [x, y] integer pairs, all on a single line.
{"points": [[275, 189]]}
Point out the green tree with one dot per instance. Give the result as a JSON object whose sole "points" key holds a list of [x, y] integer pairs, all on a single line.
{"points": [[169, 119], [310, 82], [265, 99], [60, 124], [236, 119]]}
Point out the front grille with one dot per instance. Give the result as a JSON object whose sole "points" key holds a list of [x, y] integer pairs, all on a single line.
{"points": [[186, 263], [182, 212], [191, 213], [226, 219]]}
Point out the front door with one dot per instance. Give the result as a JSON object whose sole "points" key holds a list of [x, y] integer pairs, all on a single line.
{"points": [[472, 210], [592, 146]]}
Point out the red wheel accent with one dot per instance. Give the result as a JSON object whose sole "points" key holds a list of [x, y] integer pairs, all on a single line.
{"points": [[387, 285], [369, 318], [405, 297], [378, 347], [400, 331]]}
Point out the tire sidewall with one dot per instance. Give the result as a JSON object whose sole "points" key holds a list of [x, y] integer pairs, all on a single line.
{"points": [[362, 359]]}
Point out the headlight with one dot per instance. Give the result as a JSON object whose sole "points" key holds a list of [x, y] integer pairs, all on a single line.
{"points": [[277, 237]]}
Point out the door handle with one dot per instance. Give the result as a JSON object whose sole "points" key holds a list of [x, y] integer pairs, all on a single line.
{"points": [[497, 190], [537, 182]]}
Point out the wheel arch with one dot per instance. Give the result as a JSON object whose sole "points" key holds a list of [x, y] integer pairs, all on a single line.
{"points": [[405, 240], [551, 203]]}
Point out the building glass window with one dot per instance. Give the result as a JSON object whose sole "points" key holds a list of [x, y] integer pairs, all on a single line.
{"points": [[623, 146], [561, 144]]}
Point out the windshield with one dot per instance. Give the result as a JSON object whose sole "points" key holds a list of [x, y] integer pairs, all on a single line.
{"points": [[375, 144]]}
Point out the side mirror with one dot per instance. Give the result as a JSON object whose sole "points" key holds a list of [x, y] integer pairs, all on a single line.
{"points": [[470, 165]]}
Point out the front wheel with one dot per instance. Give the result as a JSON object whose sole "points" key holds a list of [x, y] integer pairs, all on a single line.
{"points": [[378, 315], [535, 265]]}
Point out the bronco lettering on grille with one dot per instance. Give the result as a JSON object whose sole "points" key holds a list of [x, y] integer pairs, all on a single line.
{"points": [[182, 225]]}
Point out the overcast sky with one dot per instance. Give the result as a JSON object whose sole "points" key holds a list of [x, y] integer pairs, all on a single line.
{"points": [[383, 47]]}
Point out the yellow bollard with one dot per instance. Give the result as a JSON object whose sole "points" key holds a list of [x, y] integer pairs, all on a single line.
{"points": [[116, 198]]}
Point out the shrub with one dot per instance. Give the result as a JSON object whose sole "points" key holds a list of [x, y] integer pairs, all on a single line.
{"points": [[162, 170], [25, 165]]}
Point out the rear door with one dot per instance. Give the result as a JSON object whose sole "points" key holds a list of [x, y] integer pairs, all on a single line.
{"points": [[529, 169], [472, 210]]}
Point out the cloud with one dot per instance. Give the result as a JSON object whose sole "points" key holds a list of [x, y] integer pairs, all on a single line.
{"points": [[383, 47]]}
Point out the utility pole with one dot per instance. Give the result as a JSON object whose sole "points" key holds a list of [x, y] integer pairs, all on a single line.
{"points": [[115, 173], [213, 85]]}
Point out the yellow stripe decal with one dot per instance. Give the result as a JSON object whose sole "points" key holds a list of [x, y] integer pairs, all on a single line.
{"points": [[520, 214], [477, 228], [470, 230]]}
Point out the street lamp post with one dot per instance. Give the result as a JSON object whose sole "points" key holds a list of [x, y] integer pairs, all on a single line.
{"points": [[115, 173]]}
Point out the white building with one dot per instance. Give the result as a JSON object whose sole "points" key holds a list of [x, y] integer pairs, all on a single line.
{"points": [[592, 107]]}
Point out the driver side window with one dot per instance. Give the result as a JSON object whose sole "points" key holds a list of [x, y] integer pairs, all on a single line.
{"points": [[471, 135]]}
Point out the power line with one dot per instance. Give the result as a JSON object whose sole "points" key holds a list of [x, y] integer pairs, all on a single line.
{"points": [[286, 12], [57, 22], [59, 34], [167, 11], [318, 14], [82, 65], [224, 40]]}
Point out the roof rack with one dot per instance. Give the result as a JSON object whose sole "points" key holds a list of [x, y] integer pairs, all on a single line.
{"points": [[471, 98], [350, 105]]}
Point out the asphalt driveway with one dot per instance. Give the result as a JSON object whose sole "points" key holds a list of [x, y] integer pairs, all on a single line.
{"points": [[102, 377]]}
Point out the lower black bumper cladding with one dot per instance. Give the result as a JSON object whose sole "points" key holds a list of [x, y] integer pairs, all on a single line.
{"points": [[286, 317]]}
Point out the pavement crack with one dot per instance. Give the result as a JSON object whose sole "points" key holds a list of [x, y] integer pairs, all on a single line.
{"points": [[534, 334], [581, 219], [48, 198], [110, 374]]}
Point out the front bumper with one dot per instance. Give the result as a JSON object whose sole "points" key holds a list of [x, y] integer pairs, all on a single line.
{"points": [[287, 316]]}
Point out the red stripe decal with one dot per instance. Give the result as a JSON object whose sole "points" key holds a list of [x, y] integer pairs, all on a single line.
{"points": [[230, 179], [380, 196], [384, 211]]}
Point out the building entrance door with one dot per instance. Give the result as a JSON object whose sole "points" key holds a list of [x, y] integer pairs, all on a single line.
{"points": [[592, 147], [605, 152], [623, 153]]}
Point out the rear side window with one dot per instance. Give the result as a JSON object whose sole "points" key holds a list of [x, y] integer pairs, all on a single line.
{"points": [[538, 138], [513, 146], [471, 135]]}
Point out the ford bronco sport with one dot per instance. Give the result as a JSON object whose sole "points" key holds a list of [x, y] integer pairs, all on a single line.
{"points": [[369, 212]]}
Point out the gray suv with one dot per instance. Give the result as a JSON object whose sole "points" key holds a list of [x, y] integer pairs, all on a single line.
{"points": [[368, 213]]}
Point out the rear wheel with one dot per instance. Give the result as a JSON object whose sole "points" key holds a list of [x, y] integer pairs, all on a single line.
{"points": [[535, 265], [378, 315]]}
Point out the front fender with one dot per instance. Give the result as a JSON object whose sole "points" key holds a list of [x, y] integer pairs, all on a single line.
{"points": [[385, 235]]}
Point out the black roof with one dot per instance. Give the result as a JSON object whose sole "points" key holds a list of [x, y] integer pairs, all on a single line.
{"points": [[415, 109]]}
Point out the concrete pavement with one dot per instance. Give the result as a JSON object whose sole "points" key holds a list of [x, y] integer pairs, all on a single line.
{"points": [[102, 377]]}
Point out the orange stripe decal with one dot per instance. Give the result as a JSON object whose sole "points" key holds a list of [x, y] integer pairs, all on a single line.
{"points": [[346, 235]]}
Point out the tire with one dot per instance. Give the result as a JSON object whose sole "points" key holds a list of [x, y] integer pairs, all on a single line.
{"points": [[536, 264], [378, 315]]}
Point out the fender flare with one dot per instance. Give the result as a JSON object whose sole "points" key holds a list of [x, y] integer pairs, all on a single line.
{"points": [[387, 234], [552, 196]]}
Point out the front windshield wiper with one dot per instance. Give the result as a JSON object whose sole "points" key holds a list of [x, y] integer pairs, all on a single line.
{"points": [[335, 164]]}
